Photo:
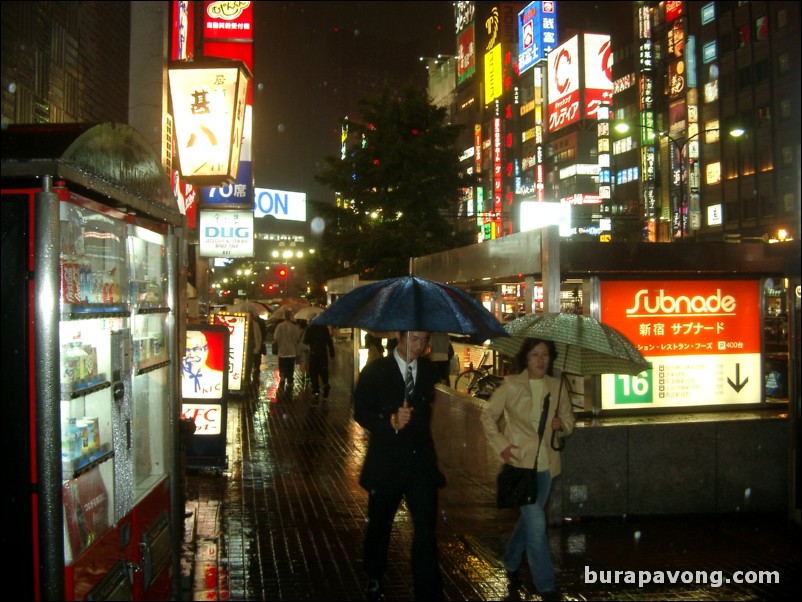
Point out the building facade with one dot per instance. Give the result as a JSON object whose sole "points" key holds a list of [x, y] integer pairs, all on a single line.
{"points": [[682, 76]]}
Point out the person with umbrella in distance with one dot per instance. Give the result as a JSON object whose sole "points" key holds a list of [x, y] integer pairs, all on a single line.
{"points": [[393, 401], [287, 337], [521, 401]]}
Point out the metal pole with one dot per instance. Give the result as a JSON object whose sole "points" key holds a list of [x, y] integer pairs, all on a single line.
{"points": [[50, 510], [550, 254]]}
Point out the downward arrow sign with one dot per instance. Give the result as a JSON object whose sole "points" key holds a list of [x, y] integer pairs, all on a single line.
{"points": [[737, 385]]}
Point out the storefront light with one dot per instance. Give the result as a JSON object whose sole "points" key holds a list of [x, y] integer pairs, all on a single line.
{"points": [[208, 106]]}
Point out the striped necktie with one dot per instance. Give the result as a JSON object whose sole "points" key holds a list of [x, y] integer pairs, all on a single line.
{"points": [[409, 383]]}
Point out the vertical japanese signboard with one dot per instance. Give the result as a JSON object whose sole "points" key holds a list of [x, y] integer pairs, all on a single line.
{"points": [[702, 338], [537, 33], [563, 88], [237, 325]]}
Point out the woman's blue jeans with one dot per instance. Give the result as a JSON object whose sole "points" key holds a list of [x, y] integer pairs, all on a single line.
{"points": [[530, 536]]}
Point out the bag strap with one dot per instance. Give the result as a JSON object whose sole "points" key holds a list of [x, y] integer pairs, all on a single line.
{"points": [[542, 425]]}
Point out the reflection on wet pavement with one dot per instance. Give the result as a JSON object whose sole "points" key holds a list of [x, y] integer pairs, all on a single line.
{"points": [[285, 521]]}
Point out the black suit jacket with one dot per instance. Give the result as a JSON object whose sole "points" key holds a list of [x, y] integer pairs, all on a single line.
{"points": [[394, 458]]}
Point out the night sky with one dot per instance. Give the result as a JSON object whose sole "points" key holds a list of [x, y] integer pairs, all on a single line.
{"points": [[304, 55], [298, 75]]}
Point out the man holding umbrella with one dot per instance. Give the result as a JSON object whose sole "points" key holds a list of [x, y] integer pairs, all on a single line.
{"points": [[393, 401]]}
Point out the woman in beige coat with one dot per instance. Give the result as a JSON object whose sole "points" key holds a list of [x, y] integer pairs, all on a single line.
{"points": [[519, 401]]}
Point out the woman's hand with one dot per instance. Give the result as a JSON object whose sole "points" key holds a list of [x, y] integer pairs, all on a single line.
{"points": [[556, 424], [507, 454]]}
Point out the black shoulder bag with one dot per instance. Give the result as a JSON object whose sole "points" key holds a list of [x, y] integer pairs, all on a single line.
{"points": [[518, 486]]}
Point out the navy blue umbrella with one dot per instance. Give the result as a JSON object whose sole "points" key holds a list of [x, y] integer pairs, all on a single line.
{"points": [[411, 303]]}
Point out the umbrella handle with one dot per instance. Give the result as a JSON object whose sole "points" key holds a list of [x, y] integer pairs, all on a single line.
{"points": [[394, 418], [557, 443]]}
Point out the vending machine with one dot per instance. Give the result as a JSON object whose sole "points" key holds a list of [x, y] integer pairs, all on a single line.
{"points": [[91, 240]]}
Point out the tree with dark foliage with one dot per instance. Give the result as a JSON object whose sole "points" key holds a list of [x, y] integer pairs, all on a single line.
{"points": [[398, 190]]}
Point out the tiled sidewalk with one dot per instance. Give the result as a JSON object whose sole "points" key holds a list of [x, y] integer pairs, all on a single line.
{"points": [[285, 522]]}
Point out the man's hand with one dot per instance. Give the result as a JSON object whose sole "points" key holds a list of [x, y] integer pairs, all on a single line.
{"points": [[401, 418]]}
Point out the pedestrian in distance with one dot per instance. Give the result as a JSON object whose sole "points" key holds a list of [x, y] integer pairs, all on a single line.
{"points": [[518, 404], [374, 346], [401, 461], [287, 338], [321, 348], [440, 352]]}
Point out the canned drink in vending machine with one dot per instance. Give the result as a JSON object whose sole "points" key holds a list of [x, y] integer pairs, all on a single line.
{"points": [[70, 282], [96, 283], [84, 283]]}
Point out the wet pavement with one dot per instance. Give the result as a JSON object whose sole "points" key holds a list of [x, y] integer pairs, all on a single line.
{"points": [[285, 521]]}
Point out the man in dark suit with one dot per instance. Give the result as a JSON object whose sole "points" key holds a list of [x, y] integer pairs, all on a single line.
{"points": [[401, 461]]}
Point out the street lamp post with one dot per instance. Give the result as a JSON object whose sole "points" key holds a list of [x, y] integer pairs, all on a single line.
{"points": [[682, 202], [683, 188]]}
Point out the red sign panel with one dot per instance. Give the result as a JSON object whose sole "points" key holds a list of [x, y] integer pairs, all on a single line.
{"points": [[228, 20], [685, 317]]}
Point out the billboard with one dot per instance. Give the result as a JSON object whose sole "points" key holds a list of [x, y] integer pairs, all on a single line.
{"points": [[466, 54], [225, 20], [598, 68], [563, 85], [703, 339], [237, 325], [226, 233], [494, 74], [537, 33], [204, 366], [281, 204]]}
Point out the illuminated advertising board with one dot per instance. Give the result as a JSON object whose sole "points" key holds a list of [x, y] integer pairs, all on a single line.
{"points": [[237, 325], [204, 370], [563, 87], [209, 114], [702, 338], [225, 20], [280, 204], [497, 167], [536, 214], [238, 193], [464, 14], [494, 74], [598, 73], [477, 145], [537, 33], [466, 54], [226, 233]]}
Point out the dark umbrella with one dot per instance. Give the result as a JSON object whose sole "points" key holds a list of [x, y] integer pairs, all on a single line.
{"points": [[410, 303]]}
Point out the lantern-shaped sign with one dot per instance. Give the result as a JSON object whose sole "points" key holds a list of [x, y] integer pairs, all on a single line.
{"points": [[208, 101]]}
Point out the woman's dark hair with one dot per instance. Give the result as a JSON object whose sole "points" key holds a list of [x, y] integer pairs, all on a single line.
{"points": [[527, 346]]}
